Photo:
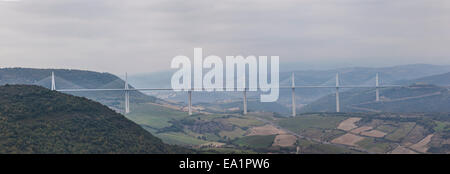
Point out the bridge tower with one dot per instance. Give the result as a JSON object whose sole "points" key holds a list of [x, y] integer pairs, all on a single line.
{"points": [[127, 95], [337, 93], [377, 89], [190, 102], [293, 96], [53, 88], [245, 101]]}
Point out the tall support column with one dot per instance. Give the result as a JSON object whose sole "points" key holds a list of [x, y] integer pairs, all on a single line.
{"points": [[377, 89], [338, 109], [245, 101], [127, 95], [53, 88], [190, 102], [293, 97], [127, 102]]}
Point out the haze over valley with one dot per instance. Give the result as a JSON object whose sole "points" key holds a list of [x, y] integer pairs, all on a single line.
{"points": [[413, 118], [83, 76]]}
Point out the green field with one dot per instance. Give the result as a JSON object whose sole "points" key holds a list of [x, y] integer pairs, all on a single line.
{"points": [[236, 133], [177, 127], [244, 122], [400, 132], [332, 134], [226, 151], [154, 116], [179, 139], [373, 145], [441, 126], [264, 115], [307, 146], [303, 122], [256, 141], [386, 128], [207, 117]]}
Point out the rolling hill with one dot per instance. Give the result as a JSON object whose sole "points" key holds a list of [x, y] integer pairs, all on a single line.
{"points": [[75, 79], [353, 76], [426, 94], [414, 98], [440, 80], [36, 120]]}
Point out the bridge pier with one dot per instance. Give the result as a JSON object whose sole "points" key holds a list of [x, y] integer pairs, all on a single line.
{"points": [[294, 108], [338, 107], [127, 95], [377, 89], [245, 101], [53, 88], [190, 102]]}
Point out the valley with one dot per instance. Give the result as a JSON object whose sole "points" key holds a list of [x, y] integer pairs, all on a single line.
{"points": [[410, 119], [305, 133]]}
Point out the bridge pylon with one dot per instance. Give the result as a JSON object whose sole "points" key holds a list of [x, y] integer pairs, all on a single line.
{"points": [[53, 88], [245, 101], [190, 102], [294, 109], [338, 107], [377, 88], [127, 95]]}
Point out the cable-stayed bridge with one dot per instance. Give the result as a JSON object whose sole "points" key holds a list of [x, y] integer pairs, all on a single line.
{"points": [[293, 87]]}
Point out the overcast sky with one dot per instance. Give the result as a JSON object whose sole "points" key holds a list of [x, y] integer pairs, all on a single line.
{"points": [[138, 36]]}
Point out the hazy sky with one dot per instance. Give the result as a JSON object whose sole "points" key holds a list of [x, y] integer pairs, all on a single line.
{"points": [[144, 35]]}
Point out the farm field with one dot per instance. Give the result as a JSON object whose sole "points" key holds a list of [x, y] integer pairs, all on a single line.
{"points": [[154, 116], [325, 132], [285, 140], [304, 122], [373, 133], [348, 124], [256, 141], [265, 130], [348, 139]]}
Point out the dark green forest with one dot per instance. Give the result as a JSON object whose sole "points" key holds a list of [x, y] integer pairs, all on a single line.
{"points": [[34, 119]]}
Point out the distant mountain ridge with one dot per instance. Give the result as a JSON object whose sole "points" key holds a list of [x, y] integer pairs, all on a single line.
{"points": [[417, 97], [348, 76], [316, 77], [405, 74], [75, 79], [440, 80]]}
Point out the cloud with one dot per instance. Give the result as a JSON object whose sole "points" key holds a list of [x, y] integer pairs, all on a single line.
{"points": [[141, 36]]}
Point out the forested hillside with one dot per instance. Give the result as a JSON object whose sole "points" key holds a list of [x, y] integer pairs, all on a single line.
{"points": [[36, 120]]}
